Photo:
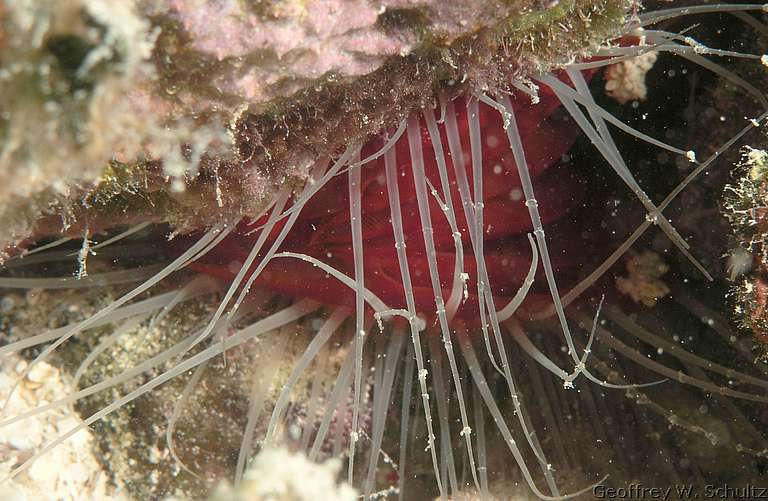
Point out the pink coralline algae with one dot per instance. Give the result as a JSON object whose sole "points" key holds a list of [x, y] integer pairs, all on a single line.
{"points": [[192, 112]]}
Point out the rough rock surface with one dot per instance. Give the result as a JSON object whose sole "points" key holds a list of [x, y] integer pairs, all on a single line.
{"points": [[71, 470], [118, 112]]}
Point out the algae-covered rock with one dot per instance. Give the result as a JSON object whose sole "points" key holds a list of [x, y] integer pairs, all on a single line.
{"points": [[746, 205], [195, 112]]}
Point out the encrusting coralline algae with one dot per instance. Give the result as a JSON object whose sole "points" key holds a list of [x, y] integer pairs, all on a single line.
{"points": [[176, 145], [165, 116]]}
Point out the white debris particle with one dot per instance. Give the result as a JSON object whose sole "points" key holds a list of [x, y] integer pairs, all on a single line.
{"points": [[625, 81], [739, 262]]}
